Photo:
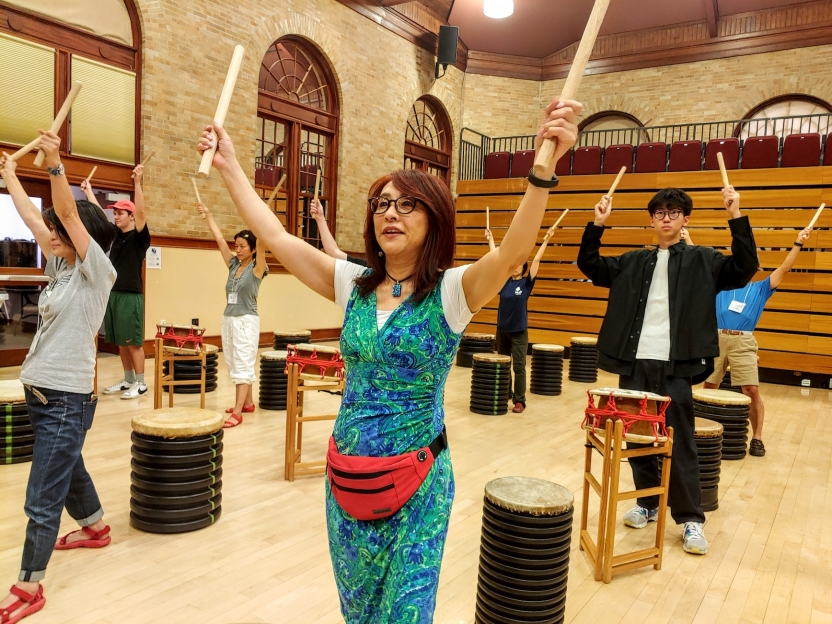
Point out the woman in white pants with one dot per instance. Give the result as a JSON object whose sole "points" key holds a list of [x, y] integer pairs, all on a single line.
{"points": [[240, 323]]}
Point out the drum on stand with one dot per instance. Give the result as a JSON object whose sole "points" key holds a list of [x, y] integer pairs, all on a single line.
{"points": [[643, 413], [472, 343], [273, 380], [176, 477], [190, 369], [524, 551], [730, 409], [547, 369], [490, 384], [583, 359], [317, 362], [283, 338], [18, 441]]}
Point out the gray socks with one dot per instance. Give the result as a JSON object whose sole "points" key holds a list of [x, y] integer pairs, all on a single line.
{"points": [[130, 376]]}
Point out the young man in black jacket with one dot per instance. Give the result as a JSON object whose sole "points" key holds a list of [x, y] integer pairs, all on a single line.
{"points": [[660, 333]]}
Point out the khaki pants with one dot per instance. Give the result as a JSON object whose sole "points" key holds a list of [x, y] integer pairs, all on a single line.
{"points": [[740, 353]]}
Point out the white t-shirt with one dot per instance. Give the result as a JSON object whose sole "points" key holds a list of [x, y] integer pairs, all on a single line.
{"points": [[454, 304], [654, 343]]}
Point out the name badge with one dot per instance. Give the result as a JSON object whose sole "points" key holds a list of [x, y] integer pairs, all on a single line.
{"points": [[736, 306], [232, 298]]}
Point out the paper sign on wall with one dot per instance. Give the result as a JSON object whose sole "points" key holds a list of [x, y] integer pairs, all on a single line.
{"points": [[154, 258]]}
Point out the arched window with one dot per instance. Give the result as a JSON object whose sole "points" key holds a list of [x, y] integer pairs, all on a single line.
{"points": [[297, 133], [611, 127], [787, 114], [428, 143]]}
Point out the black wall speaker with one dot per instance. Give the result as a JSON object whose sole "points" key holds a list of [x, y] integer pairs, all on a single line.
{"points": [[446, 55]]}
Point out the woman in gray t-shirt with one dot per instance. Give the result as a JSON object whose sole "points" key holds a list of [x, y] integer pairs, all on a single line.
{"points": [[58, 374], [240, 323]]}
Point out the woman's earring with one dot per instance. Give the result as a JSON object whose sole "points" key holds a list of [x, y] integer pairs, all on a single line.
{"points": [[380, 254]]}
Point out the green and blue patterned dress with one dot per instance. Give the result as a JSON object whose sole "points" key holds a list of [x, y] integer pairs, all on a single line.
{"points": [[387, 571]]}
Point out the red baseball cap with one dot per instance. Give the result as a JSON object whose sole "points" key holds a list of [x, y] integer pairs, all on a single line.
{"points": [[123, 204]]}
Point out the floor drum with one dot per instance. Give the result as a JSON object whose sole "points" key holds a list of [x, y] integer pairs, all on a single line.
{"points": [[273, 380], [472, 343], [283, 338], [729, 409], [18, 437], [490, 384], [583, 360], [524, 552], [708, 438], [547, 369], [176, 476]]}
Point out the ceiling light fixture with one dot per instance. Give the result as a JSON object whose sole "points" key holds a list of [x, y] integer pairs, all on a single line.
{"points": [[498, 9]]}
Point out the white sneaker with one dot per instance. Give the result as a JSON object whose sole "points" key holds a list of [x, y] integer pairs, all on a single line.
{"points": [[134, 391], [639, 516], [693, 536], [121, 386]]}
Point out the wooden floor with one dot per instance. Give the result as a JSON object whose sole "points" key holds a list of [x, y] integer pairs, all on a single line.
{"points": [[266, 560]]}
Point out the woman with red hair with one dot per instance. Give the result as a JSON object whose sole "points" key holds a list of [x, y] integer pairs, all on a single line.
{"points": [[389, 480]]}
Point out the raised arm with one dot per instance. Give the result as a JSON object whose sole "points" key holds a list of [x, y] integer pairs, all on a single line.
{"points": [[227, 254], [539, 255], [330, 246], [260, 263], [601, 270], [88, 193], [25, 208], [138, 198], [490, 237], [788, 263], [736, 270], [311, 266], [485, 278], [62, 198]]}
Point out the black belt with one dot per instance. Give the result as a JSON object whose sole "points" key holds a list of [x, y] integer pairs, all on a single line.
{"points": [[439, 444]]}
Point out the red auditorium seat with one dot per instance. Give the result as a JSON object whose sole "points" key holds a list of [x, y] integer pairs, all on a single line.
{"points": [[827, 155], [268, 176], [651, 157], [730, 149], [760, 152], [801, 150], [587, 160], [521, 163], [564, 166], [617, 156], [685, 156], [497, 165]]}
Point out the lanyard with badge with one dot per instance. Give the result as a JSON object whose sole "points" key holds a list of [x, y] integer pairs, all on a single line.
{"points": [[739, 306], [235, 285]]}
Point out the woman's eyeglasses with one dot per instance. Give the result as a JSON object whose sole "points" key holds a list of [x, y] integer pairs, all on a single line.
{"points": [[403, 205], [661, 214]]}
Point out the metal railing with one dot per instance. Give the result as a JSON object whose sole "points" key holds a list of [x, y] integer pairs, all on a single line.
{"points": [[474, 146]]}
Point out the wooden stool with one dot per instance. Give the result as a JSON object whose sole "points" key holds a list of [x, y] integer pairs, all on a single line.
{"points": [[165, 353], [631, 416], [309, 368]]}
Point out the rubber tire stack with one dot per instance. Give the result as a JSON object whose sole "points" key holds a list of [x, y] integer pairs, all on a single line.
{"points": [[490, 384], [18, 441], [474, 343], [583, 360], [273, 381], [189, 369], [547, 370], [284, 338], [524, 565], [733, 418], [176, 484]]}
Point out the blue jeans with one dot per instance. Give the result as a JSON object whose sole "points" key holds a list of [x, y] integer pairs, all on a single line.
{"points": [[58, 477]]}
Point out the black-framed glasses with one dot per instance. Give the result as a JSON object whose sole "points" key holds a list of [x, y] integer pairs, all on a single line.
{"points": [[403, 205], [673, 214]]}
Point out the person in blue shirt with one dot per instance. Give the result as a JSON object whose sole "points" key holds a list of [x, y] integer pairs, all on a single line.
{"points": [[738, 312], [513, 318]]}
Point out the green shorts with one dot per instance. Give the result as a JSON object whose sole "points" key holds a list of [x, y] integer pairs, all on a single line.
{"points": [[124, 319]]}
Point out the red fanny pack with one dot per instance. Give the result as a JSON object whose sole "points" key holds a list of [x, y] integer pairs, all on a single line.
{"points": [[370, 488]]}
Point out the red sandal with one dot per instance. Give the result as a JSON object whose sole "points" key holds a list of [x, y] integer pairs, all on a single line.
{"points": [[232, 421], [98, 539], [245, 410], [35, 602]]}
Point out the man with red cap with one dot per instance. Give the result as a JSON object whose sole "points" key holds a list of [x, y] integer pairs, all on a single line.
{"points": [[124, 319]]}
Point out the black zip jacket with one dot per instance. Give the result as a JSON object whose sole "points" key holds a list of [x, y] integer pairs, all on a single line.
{"points": [[695, 275]]}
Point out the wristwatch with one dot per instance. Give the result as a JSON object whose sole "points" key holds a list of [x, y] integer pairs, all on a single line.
{"points": [[547, 184], [57, 171], [798, 244]]}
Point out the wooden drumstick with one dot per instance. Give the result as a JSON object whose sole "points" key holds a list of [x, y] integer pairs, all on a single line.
{"points": [[817, 216], [273, 194], [222, 107], [722, 170], [617, 180], [25, 149], [487, 219], [60, 117], [145, 161], [92, 173], [576, 74], [317, 185], [196, 191], [560, 218]]}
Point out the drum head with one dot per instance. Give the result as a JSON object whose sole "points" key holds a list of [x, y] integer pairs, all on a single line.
{"points": [[178, 422], [12, 392], [274, 356], [628, 394], [720, 397], [527, 495]]}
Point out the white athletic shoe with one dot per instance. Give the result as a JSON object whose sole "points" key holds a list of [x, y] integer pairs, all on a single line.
{"points": [[693, 537], [121, 386], [134, 391]]}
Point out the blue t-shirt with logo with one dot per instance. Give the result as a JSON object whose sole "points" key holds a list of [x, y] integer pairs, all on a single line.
{"points": [[754, 296], [513, 315]]}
